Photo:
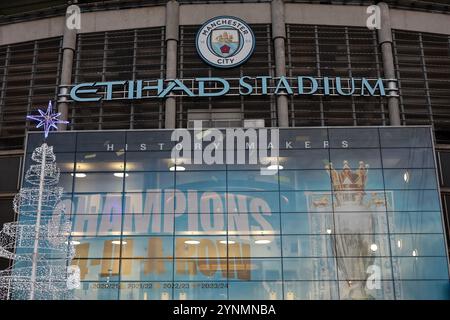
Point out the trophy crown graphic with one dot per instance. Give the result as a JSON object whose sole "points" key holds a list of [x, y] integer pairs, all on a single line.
{"points": [[348, 185], [348, 179]]}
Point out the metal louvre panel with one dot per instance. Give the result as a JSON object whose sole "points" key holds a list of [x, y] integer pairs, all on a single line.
{"points": [[423, 69], [261, 63], [118, 55], [29, 74], [334, 51]]}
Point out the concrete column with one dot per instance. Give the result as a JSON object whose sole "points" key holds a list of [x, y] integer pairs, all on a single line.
{"points": [[68, 49], [385, 42], [279, 37], [172, 37]]}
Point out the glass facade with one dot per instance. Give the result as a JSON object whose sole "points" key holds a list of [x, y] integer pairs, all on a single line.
{"points": [[353, 213]]}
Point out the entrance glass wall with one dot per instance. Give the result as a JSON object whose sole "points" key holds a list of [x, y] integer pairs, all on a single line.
{"points": [[351, 213]]}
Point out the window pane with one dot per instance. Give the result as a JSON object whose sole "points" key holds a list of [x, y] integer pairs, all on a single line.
{"points": [[297, 201], [308, 246], [262, 202], [307, 223], [433, 268], [201, 180], [255, 291], [254, 246], [253, 223], [410, 179], [101, 141], [149, 161], [354, 269], [147, 224], [356, 138], [147, 247], [415, 200], [102, 203], [146, 270], [99, 247], [96, 225], [408, 158], [352, 158], [358, 290], [104, 270], [201, 224], [97, 291], [251, 181], [304, 180], [145, 291], [423, 290], [405, 137], [98, 182], [64, 161], [194, 269], [360, 222], [418, 244], [415, 222], [304, 159], [156, 140], [309, 269], [148, 181], [203, 247], [60, 141], [304, 138], [311, 290], [100, 161], [201, 291]]}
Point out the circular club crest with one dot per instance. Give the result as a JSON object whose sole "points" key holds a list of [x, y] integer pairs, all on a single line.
{"points": [[225, 42]]}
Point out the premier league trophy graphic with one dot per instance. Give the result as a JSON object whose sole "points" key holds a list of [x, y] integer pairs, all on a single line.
{"points": [[38, 242], [357, 216]]}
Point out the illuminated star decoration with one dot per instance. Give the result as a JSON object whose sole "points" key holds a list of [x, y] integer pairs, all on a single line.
{"points": [[48, 119]]}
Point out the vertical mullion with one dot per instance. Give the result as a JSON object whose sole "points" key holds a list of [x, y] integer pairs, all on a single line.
{"points": [[273, 107], [105, 56], [77, 72], [350, 73], [289, 59], [180, 70], [161, 75], [319, 73], [31, 83], [58, 69], [4, 84], [425, 77], [135, 47], [396, 63], [377, 62], [241, 100]]}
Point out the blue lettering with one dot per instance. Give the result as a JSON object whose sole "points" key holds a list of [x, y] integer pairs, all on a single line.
{"points": [[366, 84], [283, 82], [109, 85], [201, 87], [246, 85], [301, 88], [139, 88], [263, 83], [339, 87], [176, 85], [76, 90]]}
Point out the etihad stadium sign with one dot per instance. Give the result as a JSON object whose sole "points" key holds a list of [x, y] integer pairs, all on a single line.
{"points": [[226, 42], [217, 87]]}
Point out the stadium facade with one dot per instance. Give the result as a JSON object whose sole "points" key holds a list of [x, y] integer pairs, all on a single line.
{"points": [[358, 204]]}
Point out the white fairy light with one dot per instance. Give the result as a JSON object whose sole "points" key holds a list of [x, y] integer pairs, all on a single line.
{"points": [[38, 243]]}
